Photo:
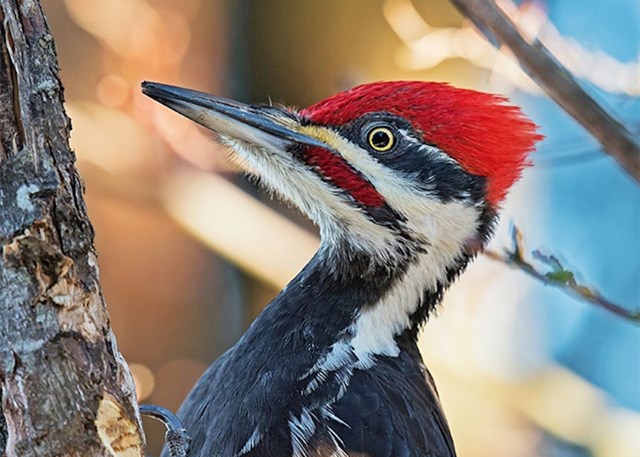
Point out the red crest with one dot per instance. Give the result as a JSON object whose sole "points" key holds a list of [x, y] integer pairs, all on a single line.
{"points": [[487, 136]]}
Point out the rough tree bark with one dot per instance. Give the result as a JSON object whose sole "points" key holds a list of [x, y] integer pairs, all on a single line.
{"points": [[66, 390]]}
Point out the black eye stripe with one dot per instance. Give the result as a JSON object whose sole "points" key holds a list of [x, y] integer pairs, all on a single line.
{"points": [[425, 165]]}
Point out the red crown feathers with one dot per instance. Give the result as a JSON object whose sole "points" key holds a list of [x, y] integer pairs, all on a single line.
{"points": [[486, 136]]}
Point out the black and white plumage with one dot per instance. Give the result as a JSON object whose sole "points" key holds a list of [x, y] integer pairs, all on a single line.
{"points": [[331, 367]]}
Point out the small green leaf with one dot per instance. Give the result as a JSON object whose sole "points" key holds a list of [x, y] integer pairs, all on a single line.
{"points": [[560, 277]]}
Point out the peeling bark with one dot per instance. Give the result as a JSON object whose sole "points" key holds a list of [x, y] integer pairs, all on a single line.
{"points": [[66, 390], [3, 430]]}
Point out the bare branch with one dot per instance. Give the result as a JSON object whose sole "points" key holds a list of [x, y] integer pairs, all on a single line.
{"points": [[557, 276], [556, 81]]}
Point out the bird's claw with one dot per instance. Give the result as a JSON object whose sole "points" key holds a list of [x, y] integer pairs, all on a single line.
{"points": [[176, 437]]}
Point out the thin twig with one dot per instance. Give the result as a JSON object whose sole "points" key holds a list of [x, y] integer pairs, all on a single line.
{"points": [[556, 81], [557, 276]]}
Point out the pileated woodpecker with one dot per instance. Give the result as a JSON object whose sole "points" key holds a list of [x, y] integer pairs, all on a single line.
{"points": [[404, 181]]}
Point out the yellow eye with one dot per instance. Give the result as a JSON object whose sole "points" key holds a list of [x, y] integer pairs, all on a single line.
{"points": [[381, 139]]}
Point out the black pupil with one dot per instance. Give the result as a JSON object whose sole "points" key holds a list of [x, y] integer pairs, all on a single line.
{"points": [[380, 139]]}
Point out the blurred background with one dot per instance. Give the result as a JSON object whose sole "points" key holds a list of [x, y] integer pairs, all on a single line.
{"points": [[190, 250]]}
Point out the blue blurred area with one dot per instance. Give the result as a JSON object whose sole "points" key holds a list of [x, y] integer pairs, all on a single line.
{"points": [[590, 214], [611, 25]]}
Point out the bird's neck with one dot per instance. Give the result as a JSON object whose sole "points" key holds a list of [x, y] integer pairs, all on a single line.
{"points": [[345, 297], [413, 289]]}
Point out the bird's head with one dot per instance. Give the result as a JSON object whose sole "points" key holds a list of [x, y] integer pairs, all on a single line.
{"points": [[391, 169]]}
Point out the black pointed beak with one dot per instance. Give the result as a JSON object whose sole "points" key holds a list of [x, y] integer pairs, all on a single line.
{"points": [[265, 126]]}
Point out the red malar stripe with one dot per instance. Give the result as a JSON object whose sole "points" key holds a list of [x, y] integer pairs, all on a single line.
{"points": [[334, 169]]}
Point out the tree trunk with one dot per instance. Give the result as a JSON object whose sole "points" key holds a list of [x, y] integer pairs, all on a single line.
{"points": [[66, 390]]}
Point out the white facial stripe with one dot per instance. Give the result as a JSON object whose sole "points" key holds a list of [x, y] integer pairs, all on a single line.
{"points": [[326, 206], [421, 211], [384, 179], [377, 326], [428, 148]]}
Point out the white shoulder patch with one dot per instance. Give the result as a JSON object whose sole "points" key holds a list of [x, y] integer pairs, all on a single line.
{"points": [[301, 429], [251, 443]]}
